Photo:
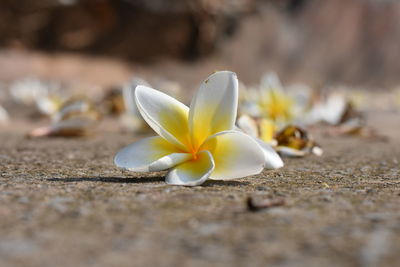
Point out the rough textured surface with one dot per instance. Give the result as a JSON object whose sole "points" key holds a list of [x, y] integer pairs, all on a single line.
{"points": [[63, 203]]}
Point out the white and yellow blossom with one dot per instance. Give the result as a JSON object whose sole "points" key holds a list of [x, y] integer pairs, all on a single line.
{"points": [[291, 141], [47, 96], [198, 143], [28, 90], [76, 117], [274, 102]]}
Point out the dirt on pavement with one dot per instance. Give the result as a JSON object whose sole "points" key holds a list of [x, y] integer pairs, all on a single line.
{"points": [[64, 203]]}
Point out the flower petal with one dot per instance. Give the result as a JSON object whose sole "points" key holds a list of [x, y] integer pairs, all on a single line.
{"points": [[150, 154], [331, 111], [271, 81], [214, 107], [334, 109], [317, 151], [290, 152], [193, 172], [267, 130], [128, 93], [272, 159], [73, 108], [236, 155], [248, 125], [167, 116]]}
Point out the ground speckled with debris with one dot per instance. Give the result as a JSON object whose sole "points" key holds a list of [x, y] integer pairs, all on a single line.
{"points": [[64, 203]]}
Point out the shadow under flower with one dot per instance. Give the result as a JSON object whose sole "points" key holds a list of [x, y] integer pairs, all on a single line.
{"points": [[140, 180], [211, 183]]}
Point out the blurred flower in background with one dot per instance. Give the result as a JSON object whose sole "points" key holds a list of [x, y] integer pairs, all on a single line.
{"points": [[195, 38], [274, 102], [46, 96], [332, 109], [291, 141], [271, 112], [76, 117], [28, 90]]}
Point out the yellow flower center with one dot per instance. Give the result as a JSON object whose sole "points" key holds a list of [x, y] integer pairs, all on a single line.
{"points": [[194, 153], [277, 106]]}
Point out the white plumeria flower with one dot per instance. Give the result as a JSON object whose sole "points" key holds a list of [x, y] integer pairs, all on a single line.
{"points": [[283, 104], [77, 117], [274, 102], [335, 109], [46, 95], [198, 143], [291, 141], [26, 91]]}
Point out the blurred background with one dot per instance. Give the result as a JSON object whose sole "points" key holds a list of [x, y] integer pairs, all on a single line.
{"points": [[104, 42]]}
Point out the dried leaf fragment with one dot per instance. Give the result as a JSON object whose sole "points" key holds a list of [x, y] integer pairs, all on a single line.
{"points": [[253, 205]]}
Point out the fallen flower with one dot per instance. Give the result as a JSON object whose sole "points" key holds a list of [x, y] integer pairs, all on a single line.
{"points": [[77, 117], [46, 95], [198, 143], [274, 102], [335, 109], [291, 141], [26, 91], [342, 117]]}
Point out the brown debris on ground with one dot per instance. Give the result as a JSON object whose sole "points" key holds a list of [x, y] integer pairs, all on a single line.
{"points": [[257, 205]]}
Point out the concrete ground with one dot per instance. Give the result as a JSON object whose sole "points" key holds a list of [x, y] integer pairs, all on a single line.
{"points": [[64, 203]]}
